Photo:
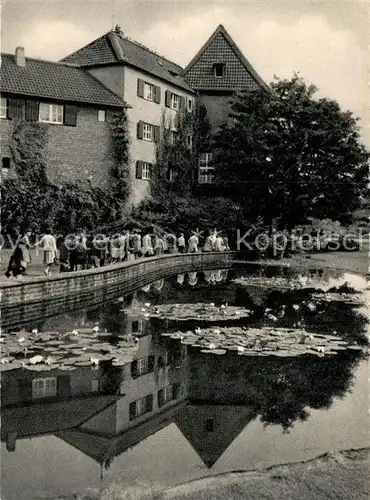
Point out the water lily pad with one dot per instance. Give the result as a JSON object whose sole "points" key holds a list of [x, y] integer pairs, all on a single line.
{"points": [[6, 367]]}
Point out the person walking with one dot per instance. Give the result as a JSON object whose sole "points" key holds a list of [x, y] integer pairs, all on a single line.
{"points": [[136, 243], [181, 243], [159, 246], [193, 243], [209, 243], [49, 246], [147, 247], [19, 257], [219, 244]]}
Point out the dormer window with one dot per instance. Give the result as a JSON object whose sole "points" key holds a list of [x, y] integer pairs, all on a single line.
{"points": [[218, 70]]}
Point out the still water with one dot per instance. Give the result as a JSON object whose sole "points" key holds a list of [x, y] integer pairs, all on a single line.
{"points": [[171, 413]]}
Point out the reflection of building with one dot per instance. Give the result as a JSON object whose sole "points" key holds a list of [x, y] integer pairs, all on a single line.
{"points": [[210, 429], [76, 405]]}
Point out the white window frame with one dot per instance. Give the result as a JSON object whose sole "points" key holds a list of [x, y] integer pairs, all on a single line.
{"points": [[101, 115], [141, 407], [148, 91], [95, 385], [142, 366], [174, 136], [51, 113], [148, 132], [175, 102], [168, 393], [44, 387], [172, 174], [205, 172], [145, 173], [3, 107]]}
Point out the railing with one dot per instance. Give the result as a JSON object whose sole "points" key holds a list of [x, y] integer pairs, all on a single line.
{"points": [[46, 296]]}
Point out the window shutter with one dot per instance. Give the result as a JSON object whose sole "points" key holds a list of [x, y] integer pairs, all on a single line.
{"points": [[134, 369], [151, 361], [149, 402], [24, 390], [32, 111], [132, 410], [64, 386], [160, 398], [140, 129], [70, 115], [109, 115], [176, 391], [15, 108], [157, 94], [139, 170], [168, 99], [140, 87], [156, 133], [182, 102]]}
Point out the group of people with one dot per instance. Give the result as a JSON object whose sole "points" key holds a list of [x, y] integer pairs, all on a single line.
{"points": [[82, 250]]}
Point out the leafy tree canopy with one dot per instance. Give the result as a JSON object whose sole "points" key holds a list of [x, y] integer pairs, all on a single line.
{"points": [[286, 155]]}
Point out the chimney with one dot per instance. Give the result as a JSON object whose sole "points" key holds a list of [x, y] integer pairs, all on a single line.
{"points": [[20, 60], [118, 31]]}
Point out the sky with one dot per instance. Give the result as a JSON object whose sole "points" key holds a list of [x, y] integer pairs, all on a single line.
{"points": [[328, 43]]}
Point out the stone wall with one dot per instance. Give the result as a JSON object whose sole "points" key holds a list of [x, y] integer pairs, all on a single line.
{"points": [[25, 302], [72, 153]]}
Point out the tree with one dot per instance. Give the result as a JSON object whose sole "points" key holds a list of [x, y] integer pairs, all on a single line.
{"points": [[286, 155]]}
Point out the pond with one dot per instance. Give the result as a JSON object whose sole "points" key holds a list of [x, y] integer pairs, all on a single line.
{"points": [[190, 376]]}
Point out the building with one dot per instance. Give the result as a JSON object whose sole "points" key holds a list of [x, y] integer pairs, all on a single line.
{"points": [[74, 97], [74, 109], [152, 85], [216, 72]]}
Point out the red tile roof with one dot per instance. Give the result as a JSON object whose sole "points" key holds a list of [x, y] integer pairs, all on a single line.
{"points": [[55, 81], [239, 73], [114, 48]]}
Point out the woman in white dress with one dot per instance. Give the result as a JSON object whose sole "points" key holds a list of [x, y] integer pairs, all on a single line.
{"points": [[49, 246]]}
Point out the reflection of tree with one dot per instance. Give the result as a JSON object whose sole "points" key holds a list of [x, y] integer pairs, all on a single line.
{"points": [[280, 390]]}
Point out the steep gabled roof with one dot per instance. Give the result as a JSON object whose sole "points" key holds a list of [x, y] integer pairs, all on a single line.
{"points": [[52, 80], [114, 48], [221, 48]]}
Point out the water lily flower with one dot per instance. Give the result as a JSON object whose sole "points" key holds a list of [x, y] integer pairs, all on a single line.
{"points": [[222, 307], [142, 309], [74, 332], [320, 349], [211, 346], [35, 330], [198, 331], [36, 359], [95, 329], [212, 304], [94, 361], [240, 348], [311, 306], [21, 339], [50, 361], [147, 304], [296, 307]]}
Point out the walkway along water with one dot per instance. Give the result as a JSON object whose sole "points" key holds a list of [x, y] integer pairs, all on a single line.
{"points": [[42, 296]]}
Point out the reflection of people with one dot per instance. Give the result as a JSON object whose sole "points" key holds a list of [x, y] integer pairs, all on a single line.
{"points": [[208, 276], [180, 279], [192, 279], [158, 285], [217, 276], [146, 288], [224, 273]]}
